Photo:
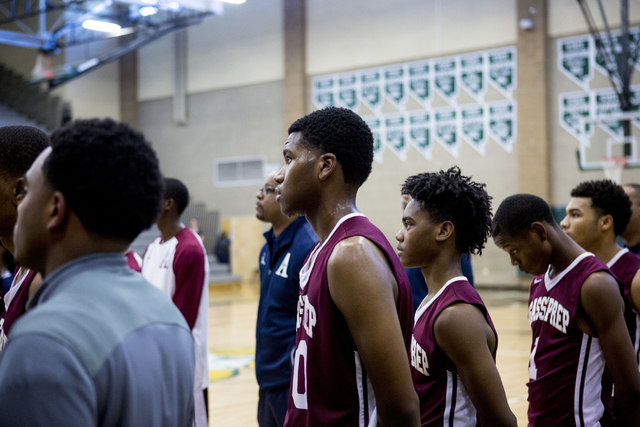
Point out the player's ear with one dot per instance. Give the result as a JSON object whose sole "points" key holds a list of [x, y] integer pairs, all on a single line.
{"points": [[445, 231], [605, 222], [18, 190], [56, 210], [327, 165], [539, 231]]}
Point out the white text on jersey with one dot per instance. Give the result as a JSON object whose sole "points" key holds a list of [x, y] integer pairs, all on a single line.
{"points": [[419, 357], [306, 315], [551, 311]]}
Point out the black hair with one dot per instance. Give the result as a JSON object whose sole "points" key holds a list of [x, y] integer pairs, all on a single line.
{"points": [[343, 133], [176, 190], [607, 198], [516, 214], [450, 196], [19, 147], [109, 175]]}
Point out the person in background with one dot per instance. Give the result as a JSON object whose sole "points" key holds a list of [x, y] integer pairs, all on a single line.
{"points": [[631, 234], [289, 241], [193, 225], [176, 262], [19, 147]]}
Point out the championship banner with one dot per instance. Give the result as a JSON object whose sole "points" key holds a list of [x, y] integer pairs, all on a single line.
{"points": [[420, 79], [395, 129], [348, 91], [473, 122], [613, 48], [575, 59], [446, 129], [371, 89], [324, 91], [502, 70], [395, 89], [420, 132], [472, 72], [502, 123], [574, 105], [376, 125], [606, 103], [445, 72]]}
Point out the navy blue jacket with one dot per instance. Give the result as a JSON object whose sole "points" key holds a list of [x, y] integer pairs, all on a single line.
{"points": [[281, 259]]}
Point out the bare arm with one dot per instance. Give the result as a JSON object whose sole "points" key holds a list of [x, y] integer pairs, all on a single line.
{"points": [[634, 295], [365, 291], [463, 334], [602, 303]]}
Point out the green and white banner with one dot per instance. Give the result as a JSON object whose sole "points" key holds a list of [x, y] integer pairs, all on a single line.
{"points": [[572, 107], [472, 74], [376, 124], [502, 70], [420, 82], [420, 131], [578, 56], [371, 89], [395, 85], [593, 104], [502, 123], [397, 89], [445, 72], [446, 129], [395, 126], [348, 91], [473, 126]]}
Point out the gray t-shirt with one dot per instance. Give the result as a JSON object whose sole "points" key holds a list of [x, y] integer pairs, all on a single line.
{"points": [[99, 346]]}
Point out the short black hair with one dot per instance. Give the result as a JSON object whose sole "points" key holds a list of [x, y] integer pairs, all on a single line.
{"points": [[341, 132], [450, 196], [176, 190], [19, 147], [607, 198], [516, 214], [109, 175]]}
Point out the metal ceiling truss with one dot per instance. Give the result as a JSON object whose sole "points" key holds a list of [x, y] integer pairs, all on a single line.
{"points": [[66, 17]]}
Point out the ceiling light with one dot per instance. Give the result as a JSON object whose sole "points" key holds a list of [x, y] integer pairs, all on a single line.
{"points": [[148, 11], [174, 5], [234, 1], [105, 27]]}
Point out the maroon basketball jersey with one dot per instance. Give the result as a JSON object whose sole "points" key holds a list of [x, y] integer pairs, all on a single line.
{"points": [[15, 303], [443, 398], [624, 266], [568, 383], [329, 384]]}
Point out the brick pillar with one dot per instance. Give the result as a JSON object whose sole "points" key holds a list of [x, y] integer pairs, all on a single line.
{"points": [[295, 84], [533, 132], [129, 106]]}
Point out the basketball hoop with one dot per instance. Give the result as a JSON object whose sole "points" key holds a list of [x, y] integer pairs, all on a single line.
{"points": [[612, 166]]}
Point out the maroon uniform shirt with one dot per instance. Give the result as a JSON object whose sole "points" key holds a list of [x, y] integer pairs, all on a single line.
{"points": [[568, 382], [625, 266], [443, 398], [329, 384], [15, 303]]}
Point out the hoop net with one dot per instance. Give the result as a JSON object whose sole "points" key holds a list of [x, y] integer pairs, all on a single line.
{"points": [[613, 166]]}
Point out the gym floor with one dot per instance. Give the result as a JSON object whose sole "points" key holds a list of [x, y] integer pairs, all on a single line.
{"points": [[233, 392]]}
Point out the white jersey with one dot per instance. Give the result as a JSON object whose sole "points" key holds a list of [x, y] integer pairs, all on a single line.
{"points": [[180, 268]]}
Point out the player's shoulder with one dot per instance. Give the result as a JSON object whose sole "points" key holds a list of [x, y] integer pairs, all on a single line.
{"points": [[188, 242]]}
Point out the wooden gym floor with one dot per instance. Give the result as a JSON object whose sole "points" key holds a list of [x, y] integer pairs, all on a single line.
{"points": [[233, 392]]}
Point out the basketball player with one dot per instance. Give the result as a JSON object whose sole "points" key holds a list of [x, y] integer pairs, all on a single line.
{"points": [[19, 147], [98, 345], [355, 313], [597, 213], [576, 312], [289, 241], [631, 234], [176, 262], [454, 342]]}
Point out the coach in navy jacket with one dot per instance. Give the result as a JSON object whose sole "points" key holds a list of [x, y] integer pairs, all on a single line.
{"points": [[289, 241]]}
